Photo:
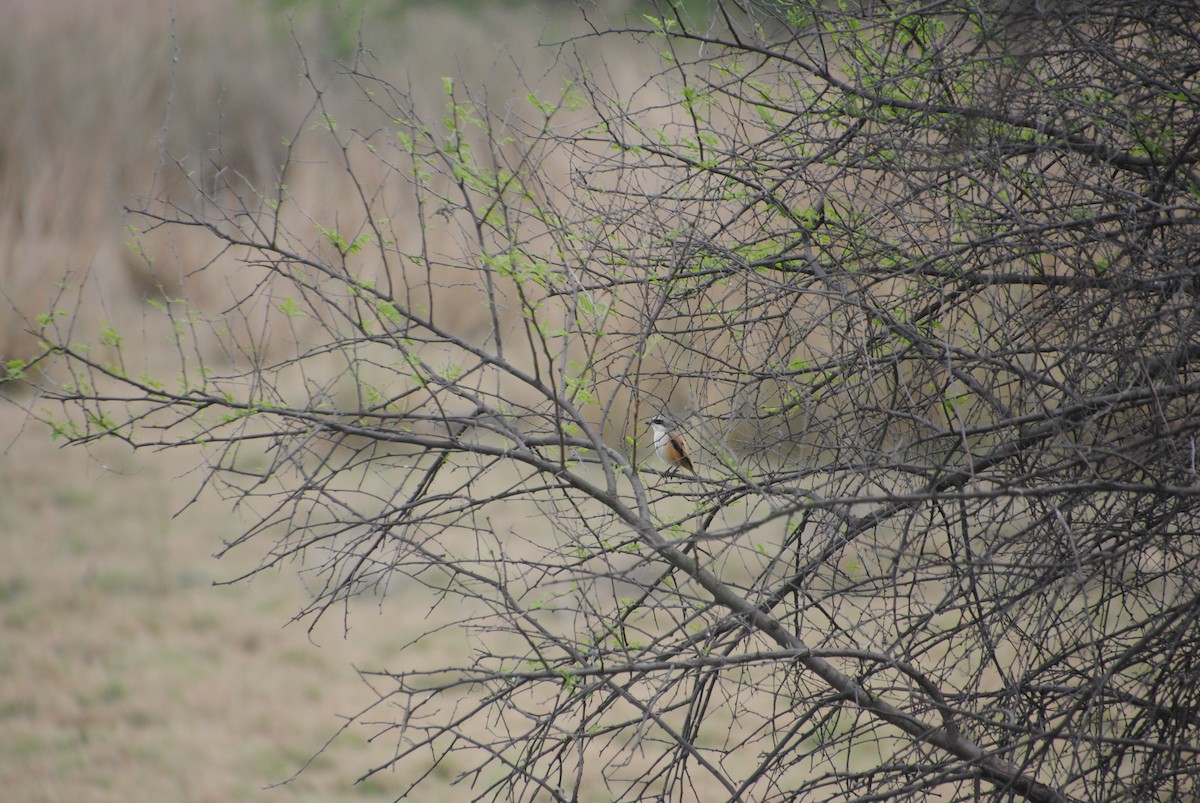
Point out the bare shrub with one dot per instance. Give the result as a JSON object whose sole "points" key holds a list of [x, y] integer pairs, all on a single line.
{"points": [[920, 287]]}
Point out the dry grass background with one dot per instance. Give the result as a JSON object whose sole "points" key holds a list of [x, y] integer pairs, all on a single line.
{"points": [[125, 673]]}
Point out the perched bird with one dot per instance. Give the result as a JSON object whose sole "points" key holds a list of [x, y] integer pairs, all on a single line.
{"points": [[669, 445]]}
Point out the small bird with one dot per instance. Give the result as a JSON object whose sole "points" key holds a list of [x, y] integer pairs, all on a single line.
{"points": [[669, 444]]}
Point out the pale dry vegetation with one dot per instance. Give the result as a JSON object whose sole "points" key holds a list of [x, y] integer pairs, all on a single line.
{"points": [[125, 674]]}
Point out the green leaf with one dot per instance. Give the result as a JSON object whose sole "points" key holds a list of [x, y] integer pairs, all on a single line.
{"points": [[14, 370], [109, 336], [46, 318], [290, 308], [388, 310], [359, 242]]}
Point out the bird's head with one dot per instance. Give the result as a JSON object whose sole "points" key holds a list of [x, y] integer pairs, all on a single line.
{"points": [[660, 421]]}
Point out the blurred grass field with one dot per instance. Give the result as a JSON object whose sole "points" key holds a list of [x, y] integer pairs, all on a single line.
{"points": [[125, 672]]}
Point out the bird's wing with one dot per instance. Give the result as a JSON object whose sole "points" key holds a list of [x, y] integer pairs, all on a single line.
{"points": [[682, 451]]}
